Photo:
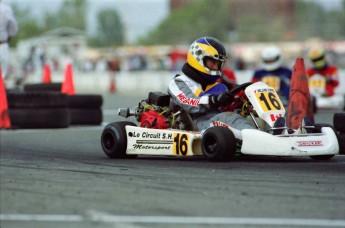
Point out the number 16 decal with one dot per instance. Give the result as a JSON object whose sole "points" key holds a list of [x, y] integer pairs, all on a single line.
{"points": [[180, 144], [269, 101]]}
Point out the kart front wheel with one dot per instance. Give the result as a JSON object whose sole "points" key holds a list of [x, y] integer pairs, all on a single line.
{"points": [[114, 139], [218, 144]]}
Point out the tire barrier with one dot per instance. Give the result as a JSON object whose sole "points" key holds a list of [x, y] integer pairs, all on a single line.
{"points": [[36, 100], [86, 116], [85, 109], [38, 110], [40, 117], [85, 101], [43, 87], [42, 108]]}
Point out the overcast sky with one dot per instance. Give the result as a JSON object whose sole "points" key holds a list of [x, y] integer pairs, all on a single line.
{"points": [[139, 16]]}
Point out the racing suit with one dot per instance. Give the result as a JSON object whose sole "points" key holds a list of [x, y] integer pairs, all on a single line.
{"points": [[191, 91], [279, 79], [330, 73]]}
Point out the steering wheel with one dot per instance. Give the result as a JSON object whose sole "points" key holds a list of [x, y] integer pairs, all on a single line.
{"points": [[240, 88], [240, 97]]}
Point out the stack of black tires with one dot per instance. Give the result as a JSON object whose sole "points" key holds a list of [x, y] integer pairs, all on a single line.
{"points": [[44, 106]]}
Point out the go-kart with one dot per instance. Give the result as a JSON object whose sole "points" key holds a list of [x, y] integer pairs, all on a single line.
{"points": [[166, 129], [317, 89]]}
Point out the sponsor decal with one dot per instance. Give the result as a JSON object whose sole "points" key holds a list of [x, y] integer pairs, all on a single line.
{"points": [[188, 100], [265, 90], [150, 147], [150, 135], [310, 143], [218, 123], [152, 141]]}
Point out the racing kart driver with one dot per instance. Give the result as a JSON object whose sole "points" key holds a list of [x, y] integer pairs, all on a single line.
{"points": [[273, 73], [323, 68], [197, 91]]}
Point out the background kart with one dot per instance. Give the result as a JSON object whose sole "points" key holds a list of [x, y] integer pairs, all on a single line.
{"points": [[166, 129], [317, 89]]}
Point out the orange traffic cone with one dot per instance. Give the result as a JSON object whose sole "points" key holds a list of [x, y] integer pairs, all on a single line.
{"points": [[68, 85], [46, 74], [299, 101], [112, 86], [4, 117]]}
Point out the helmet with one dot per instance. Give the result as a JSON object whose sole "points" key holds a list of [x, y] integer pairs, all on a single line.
{"points": [[271, 58], [203, 48], [317, 57]]}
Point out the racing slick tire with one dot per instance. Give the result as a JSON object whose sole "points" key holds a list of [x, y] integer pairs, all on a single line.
{"points": [[86, 116], [114, 140], [36, 100], [339, 121], [317, 129], [218, 144], [43, 87], [39, 117], [85, 101]]}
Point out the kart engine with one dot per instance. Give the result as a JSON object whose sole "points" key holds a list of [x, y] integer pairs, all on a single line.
{"points": [[153, 112], [152, 119], [157, 112]]}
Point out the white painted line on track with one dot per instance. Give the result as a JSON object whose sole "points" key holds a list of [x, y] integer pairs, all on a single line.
{"points": [[98, 217], [41, 218]]}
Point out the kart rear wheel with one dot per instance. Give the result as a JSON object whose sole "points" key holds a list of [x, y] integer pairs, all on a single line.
{"points": [[218, 144], [317, 129], [114, 139]]}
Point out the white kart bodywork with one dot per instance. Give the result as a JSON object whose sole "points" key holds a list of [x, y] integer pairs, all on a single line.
{"points": [[147, 141], [261, 143], [268, 107], [317, 88]]}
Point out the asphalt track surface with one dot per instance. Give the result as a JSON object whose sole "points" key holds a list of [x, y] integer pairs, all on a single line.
{"points": [[62, 178]]}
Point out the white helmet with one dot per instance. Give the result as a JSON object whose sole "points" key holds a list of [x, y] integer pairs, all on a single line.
{"points": [[271, 58]]}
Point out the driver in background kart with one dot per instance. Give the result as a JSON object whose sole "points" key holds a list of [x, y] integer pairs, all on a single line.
{"points": [[197, 91], [273, 73], [323, 68]]}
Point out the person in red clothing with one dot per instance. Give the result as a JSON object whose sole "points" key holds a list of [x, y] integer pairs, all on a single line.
{"points": [[322, 74]]}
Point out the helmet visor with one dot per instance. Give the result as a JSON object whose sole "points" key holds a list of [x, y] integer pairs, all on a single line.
{"points": [[213, 64], [271, 60]]}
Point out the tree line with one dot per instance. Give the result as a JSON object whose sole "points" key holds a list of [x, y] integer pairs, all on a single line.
{"points": [[199, 18]]}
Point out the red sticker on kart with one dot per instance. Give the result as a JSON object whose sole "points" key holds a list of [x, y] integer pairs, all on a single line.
{"points": [[218, 123], [310, 143]]}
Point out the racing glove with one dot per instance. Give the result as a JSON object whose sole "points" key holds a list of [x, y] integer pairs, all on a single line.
{"points": [[218, 100]]}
